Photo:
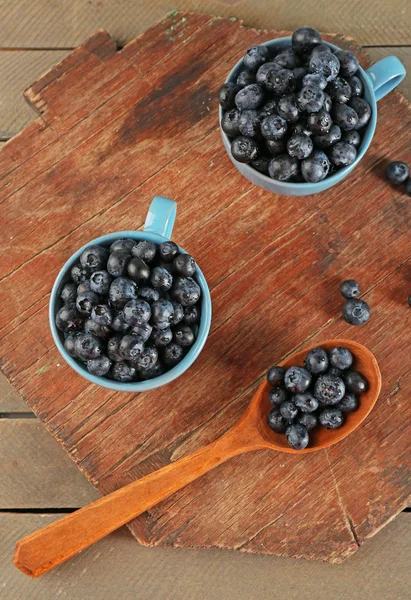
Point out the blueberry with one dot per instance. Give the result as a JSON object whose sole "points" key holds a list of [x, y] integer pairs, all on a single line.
{"points": [[327, 102], [125, 245], [100, 282], [329, 389], [230, 122], [350, 289], [275, 376], [305, 39], [308, 420], [143, 331], [348, 62], [121, 291], [335, 372], [348, 404], [280, 82], [226, 95], [151, 372], [310, 99], [186, 291], [407, 187], [288, 59], [305, 402], [352, 137], [148, 294], [130, 347], [320, 48], [191, 315], [288, 410], [331, 418], [161, 279], [85, 286], [356, 85], [300, 127], [255, 57], [145, 250], [319, 122], [183, 335], [162, 311], [137, 312], [287, 108], [342, 154], [263, 71], [299, 146], [246, 77], [268, 109], [277, 396], [313, 79], [326, 140], [297, 379], [99, 366], [172, 354], [123, 371], [94, 258], [102, 314], [297, 436], [316, 361], [138, 271], [244, 149], [79, 273], [69, 293], [276, 146], [283, 167], [397, 172], [100, 331], [325, 64], [88, 346], [168, 251], [147, 358], [356, 311], [341, 358], [117, 263], [339, 90], [276, 421], [251, 96], [86, 301], [355, 382], [161, 339], [179, 313], [362, 109], [315, 168], [69, 345], [261, 164], [344, 116], [119, 324], [113, 349], [273, 127], [249, 124]]}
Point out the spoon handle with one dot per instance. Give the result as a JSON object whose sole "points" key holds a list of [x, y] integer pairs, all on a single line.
{"points": [[52, 545]]}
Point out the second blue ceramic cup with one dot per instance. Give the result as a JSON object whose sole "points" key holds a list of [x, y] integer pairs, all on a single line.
{"points": [[378, 80], [158, 228]]}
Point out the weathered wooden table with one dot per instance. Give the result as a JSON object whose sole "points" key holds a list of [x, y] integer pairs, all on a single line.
{"points": [[39, 477]]}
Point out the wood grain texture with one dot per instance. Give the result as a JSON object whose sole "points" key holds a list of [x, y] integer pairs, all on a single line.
{"points": [[57, 25], [118, 567], [38, 474], [86, 173]]}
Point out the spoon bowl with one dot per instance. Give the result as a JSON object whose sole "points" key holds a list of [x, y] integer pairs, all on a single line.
{"points": [[47, 548]]}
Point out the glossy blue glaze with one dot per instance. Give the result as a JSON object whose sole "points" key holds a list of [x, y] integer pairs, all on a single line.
{"points": [[158, 228], [378, 80]]}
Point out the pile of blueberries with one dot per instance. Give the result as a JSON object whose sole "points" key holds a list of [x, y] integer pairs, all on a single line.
{"points": [[131, 311], [398, 172], [298, 115], [320, 393]]}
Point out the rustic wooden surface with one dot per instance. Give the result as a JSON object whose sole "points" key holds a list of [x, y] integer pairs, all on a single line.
{"points": [[126, 436]]}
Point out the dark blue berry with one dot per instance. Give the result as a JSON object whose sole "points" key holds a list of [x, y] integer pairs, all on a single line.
{"points": [[335, 372], [325, 64], [191, 315], [85, 286], [355, 382], [350, 288], [287, 108], [280, 82], [161, 279], [320, 48], [168, 251], [356, 311], [145, 250], [86, 301], [316, 361], [331, 418], [79, 273], [249, 124], [69, 293], [319, 122], [329, 389], [263, 71], [230, 122], [178, 314], [299, 74], [99, 366], [183, 335], [276, 146], [138, 270], [283, 167], [397, 172], [297, 436], [339, 90], [348, 62], [305, 402], [277, 396], [172, 354], [101, 331], [130, 347], [299, 146], [113, 349], [100, 282], [313, 79], [356, 85], [273, 127], [69, 344], [268, 109], [327, 102], [121, 291], [124, 372], [88, 346], [147, 358], [162, 312], [117, 263], [305, 39], [288, 59], [308, 420], [344, 116], [137, 312], [119, 324], [186, 291], [276, 421], [407, 187], [341, 358], [362, 109], [151, 372], [261, 164], [226, 95], [348, 404], [326, 140], [102, 314], [148, 294], [300, 127], [297, 379], [143, 331], [288, 410], [244, 149], [352, 137], [125, 244], [315, 168], [275, 376], [161, 339], [342, 154], [255, 57], [246, 77], [251, 96], [94, 258], [310, 99]]}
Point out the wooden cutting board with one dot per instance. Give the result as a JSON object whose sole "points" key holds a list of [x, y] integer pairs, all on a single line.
{"points": [[114, 129]]}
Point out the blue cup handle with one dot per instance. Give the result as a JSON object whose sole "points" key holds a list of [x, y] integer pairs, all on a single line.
{"points": [[385, 75], [161, 216]]}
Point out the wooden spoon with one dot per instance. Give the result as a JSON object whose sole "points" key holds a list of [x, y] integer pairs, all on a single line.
{"points": [[47, 548]]}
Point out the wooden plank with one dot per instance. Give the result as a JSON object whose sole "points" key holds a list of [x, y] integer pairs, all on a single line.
{"points": [[303, 248], [35, 471], [10, 400], [45, 25], [118, 567], [404, 54]]}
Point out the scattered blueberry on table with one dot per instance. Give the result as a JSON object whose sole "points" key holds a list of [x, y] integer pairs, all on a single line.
{"points": [[355, 311], [321, 393], [398, 172], [130, 311], [297, 114]]}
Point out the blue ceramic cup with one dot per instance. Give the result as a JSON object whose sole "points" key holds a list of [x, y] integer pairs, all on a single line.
{"points": [[158, 228], [378, 80]]}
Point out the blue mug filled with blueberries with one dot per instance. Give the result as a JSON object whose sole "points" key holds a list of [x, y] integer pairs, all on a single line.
{"points": [[297, 114], [131, 310]]}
